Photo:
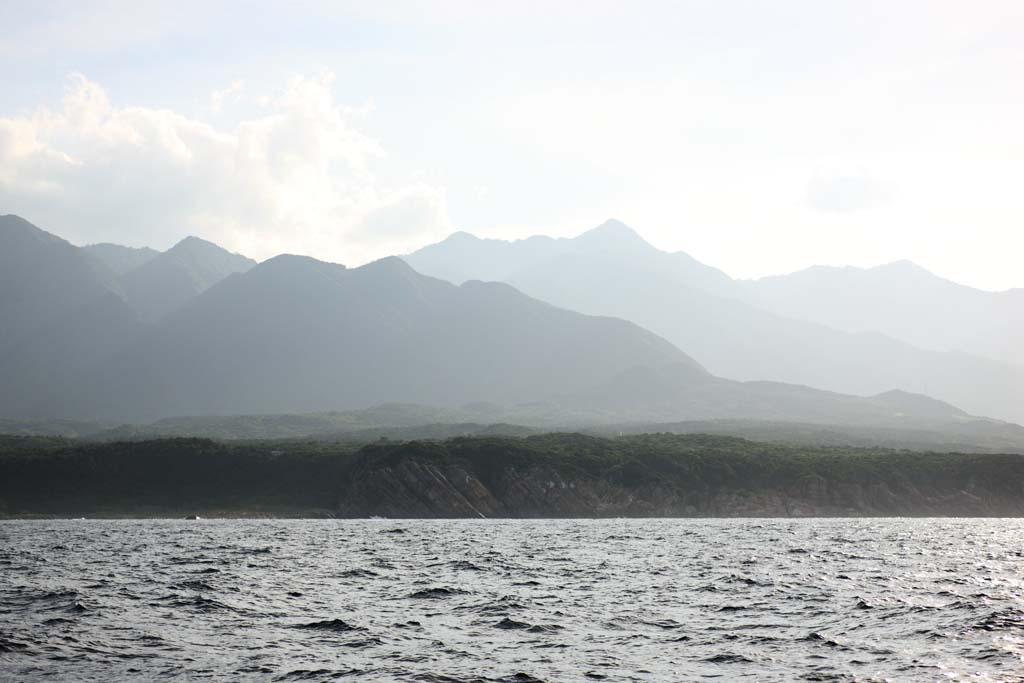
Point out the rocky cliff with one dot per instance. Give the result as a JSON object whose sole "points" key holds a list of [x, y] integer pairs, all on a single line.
{"points": [[410, 482], [550, 475]]}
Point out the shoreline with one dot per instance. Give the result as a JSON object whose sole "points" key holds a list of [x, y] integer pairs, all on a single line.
{"points": [[222, 517], [553, 476]]}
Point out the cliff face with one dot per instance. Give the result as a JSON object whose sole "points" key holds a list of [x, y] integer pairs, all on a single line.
{"points": [[413, 488], [419, 488]]}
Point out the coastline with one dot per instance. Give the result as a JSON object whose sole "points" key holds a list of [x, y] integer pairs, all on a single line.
{"points": [[553, 476]]}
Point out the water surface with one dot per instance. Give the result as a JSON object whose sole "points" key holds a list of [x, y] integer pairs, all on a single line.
{"points": [[450, 601]]}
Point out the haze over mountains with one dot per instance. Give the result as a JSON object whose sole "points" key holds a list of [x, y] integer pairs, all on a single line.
{"points": [[903, 301], [118, 258], [164, 283], [844, 330], [295, 335], [117, 334]]}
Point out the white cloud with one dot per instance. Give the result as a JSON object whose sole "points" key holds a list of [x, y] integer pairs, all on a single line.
{"points": [[299, 178], [231, 93]]}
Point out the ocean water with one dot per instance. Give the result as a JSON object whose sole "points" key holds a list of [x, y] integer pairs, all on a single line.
{"points": [[450, 601]]}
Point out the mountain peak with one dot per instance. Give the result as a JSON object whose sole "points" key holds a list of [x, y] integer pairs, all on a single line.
{"points": [[13, 226], [295, 267], [613, 226], [461, 236], [12, 221], [613, 233], [192, 243], [902, 266], [393, 277], [166, 282], [195, 252], [904, 271], [288, 261], [388, 264]]}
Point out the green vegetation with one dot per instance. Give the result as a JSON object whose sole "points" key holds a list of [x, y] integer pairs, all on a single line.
{"points": [[699, 460], [53, 476], [151, 477], [407, 422]]}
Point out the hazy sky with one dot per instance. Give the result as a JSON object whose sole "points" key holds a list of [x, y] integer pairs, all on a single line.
{"points": [[760, 137]]}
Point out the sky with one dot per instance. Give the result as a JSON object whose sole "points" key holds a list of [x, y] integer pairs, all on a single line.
{"points": [[759, 137]]}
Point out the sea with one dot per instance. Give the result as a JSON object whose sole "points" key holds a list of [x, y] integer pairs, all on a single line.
{"points": [[512, 600]]}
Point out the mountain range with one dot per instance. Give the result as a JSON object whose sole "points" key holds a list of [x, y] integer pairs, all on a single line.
{"points": [[846, 330], [109, 333], [905, 302]]}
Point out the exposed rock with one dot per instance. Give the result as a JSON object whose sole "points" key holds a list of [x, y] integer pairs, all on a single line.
{"points": [[415, 487]]}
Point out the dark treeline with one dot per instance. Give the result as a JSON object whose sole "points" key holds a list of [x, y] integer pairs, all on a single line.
{"points": [[61, 477], [544, 475]]}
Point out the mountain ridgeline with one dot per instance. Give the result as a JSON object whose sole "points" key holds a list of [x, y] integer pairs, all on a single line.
{"points": [[112, 334], [845, 330], [297, 335], [164, 283]]}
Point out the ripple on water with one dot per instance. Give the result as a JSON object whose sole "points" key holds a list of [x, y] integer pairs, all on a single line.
{"points": [[512, 601]]}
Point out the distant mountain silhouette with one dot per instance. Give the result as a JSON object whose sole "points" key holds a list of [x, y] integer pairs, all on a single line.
{"points": [[298, 335], [43, 278], [904, 301], [162, 284], [611, 271], [463, 256], [67, 309], [295, 334], [62, 312]]}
